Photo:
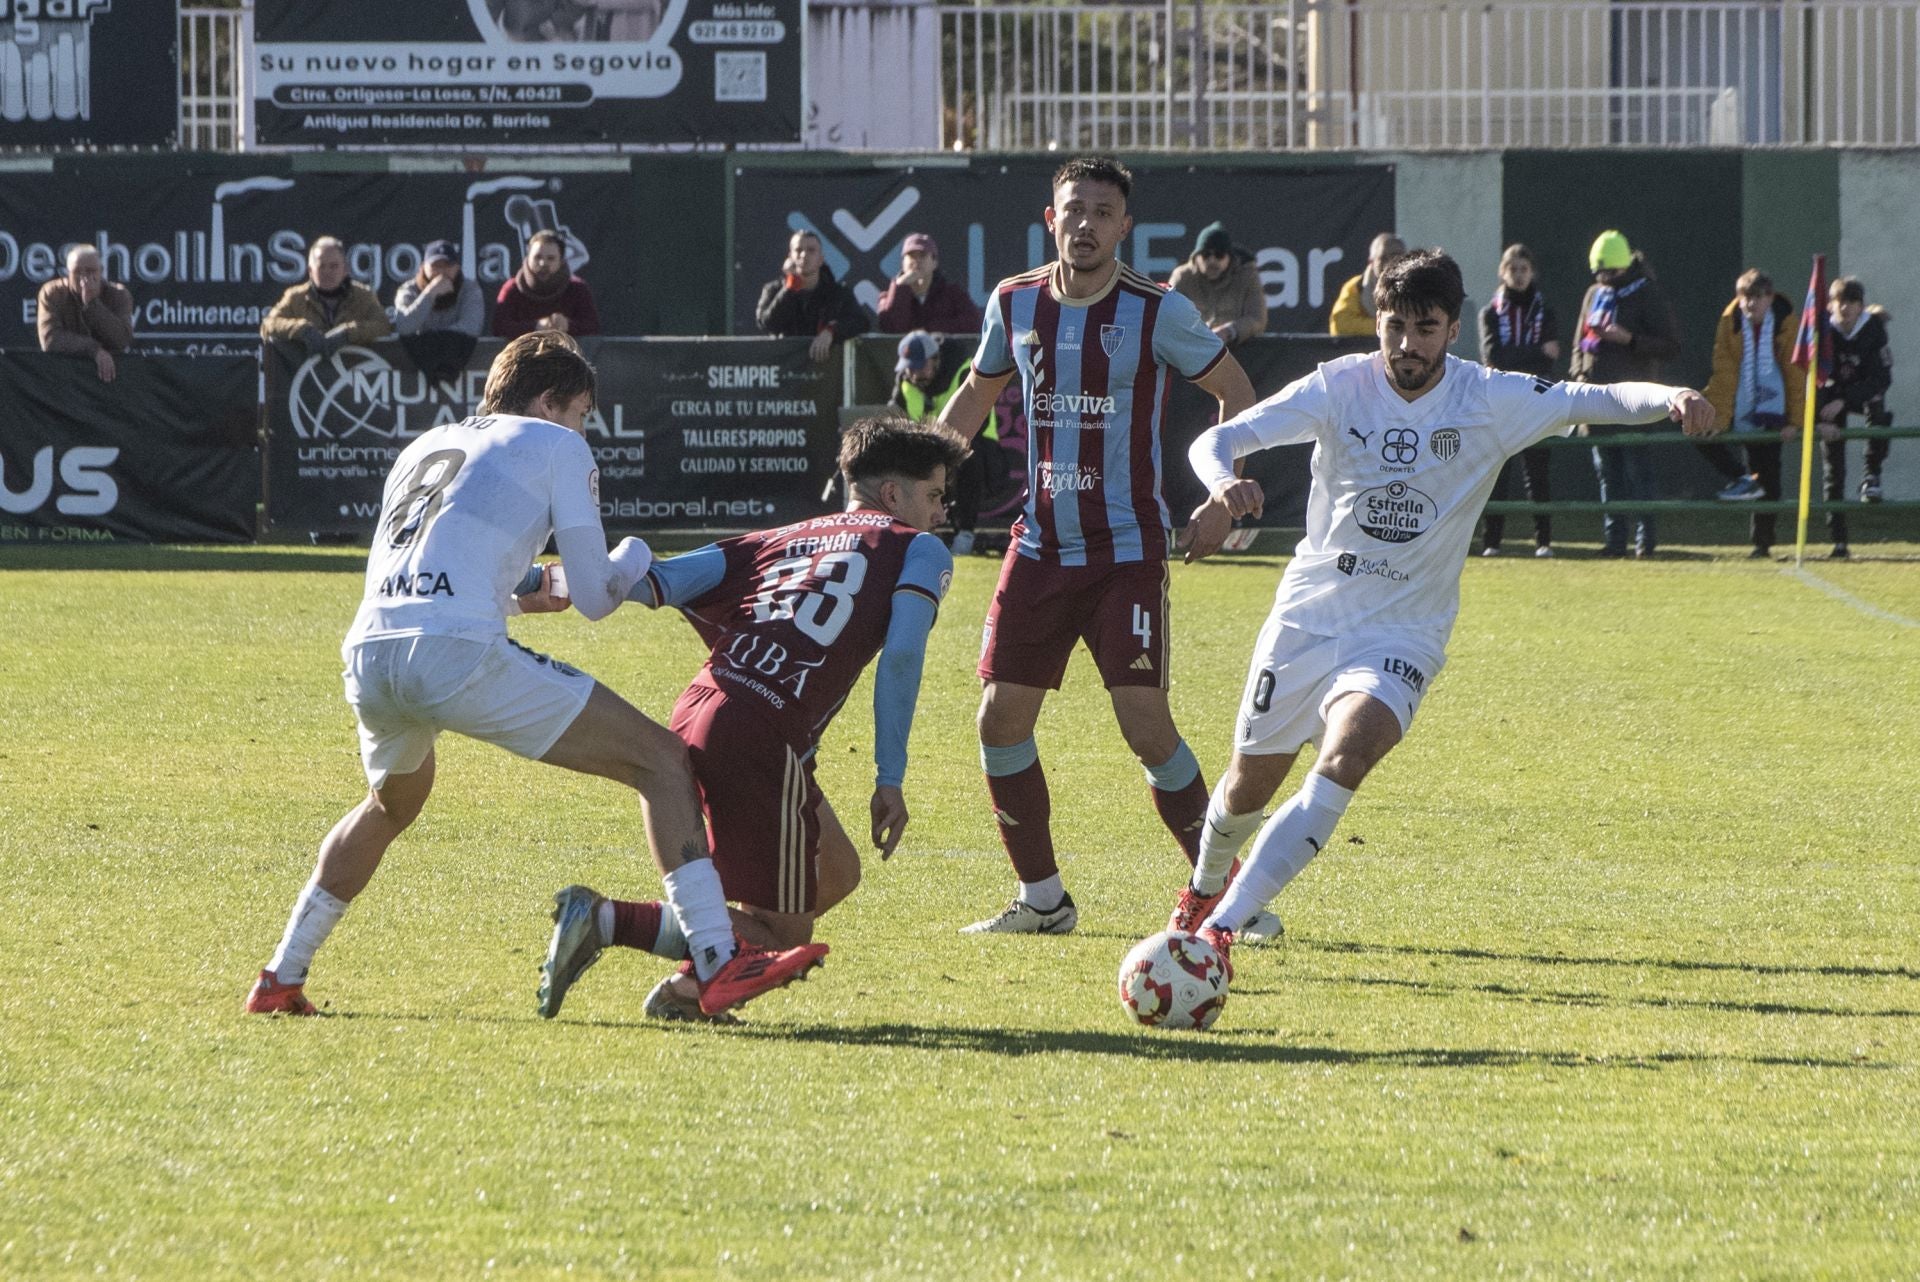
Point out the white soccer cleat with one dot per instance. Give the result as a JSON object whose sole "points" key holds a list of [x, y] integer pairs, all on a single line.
{"points": [[1262, 928], [1019, 918]]}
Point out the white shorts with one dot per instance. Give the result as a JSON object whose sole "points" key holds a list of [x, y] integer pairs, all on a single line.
{"points": [[1296, 676], [406, 690]]}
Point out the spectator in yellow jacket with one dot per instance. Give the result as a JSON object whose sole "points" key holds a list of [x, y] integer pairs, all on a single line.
{"points": [[1755, 390], [1352, 315], [329, 310]]}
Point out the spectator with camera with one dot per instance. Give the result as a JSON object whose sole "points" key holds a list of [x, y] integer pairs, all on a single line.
{"points": [[85, 314], [329, 310], [807, 302], [921, 296]]}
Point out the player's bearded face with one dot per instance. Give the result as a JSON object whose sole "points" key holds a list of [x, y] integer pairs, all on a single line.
{"points": [[1088, 220], [1415, 347]]}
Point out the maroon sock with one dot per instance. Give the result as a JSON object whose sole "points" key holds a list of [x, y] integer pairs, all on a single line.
{"points": [[1025, 815], [1184, 812], [637, 925]]}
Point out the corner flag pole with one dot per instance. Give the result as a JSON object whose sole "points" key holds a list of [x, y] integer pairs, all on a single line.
{"points": [[1811, 353]]}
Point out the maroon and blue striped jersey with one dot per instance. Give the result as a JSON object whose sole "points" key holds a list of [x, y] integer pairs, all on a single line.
{"points": [[1096, 375]]}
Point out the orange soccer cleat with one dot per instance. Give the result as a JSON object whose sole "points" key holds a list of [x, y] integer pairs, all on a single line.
{"points": [[1192, 907], [271, 997], [752, 971]]}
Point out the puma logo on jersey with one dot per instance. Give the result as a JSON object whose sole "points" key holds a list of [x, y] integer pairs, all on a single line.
{"points": [[1363, 439], [1142, 664]]}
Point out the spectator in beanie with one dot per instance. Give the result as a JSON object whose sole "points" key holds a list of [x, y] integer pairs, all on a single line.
{"points": [[1223, 282]]}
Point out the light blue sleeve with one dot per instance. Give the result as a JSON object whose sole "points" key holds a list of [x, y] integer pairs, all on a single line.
{"points": [[681, 579], [896, 684], [1181, 338], [928, 567], [994, 357]]}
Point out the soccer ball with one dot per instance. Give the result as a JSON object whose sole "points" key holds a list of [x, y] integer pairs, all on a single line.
{"points": [[1173, 980]]}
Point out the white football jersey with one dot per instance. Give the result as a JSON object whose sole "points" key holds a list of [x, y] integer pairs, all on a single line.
{"points": [[466, 509], [1398, 485]]}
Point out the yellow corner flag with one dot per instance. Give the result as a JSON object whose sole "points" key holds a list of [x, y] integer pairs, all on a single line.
{"points": [[1812, 352]]}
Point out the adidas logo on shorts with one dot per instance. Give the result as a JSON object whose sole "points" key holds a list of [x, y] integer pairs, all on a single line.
{"points": [[1142, 664]]}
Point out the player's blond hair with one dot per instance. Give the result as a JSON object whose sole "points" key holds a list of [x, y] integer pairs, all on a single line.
{"points": [[545, 361]]}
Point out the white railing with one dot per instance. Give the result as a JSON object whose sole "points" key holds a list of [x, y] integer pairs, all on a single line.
{"points": [[1416, 74], [216, 46]]}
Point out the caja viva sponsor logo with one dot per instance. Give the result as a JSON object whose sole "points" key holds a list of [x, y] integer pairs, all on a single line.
{"points": [[81, 469], [210, 255]]}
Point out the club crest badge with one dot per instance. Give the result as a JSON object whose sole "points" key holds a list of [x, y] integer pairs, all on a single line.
{"points": [[1445, 443], [1111, 336]]}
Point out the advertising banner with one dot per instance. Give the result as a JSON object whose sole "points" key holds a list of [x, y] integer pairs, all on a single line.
{"points": [[1271, 363], [1306, 228], [477, 73], [207, 250], [88, 73], [689, 434], [167, 453]]}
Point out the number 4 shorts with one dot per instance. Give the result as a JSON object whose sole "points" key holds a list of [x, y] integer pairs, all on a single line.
{"points": [[1295, 677], [406, 690]]}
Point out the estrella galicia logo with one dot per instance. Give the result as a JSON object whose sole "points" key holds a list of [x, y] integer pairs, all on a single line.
{"points": [[1111, 336], [1345, 563], [1400, 445], [1445, 443], [1395, 513]]}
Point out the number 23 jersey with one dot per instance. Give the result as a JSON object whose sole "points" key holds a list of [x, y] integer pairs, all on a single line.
{"points": [[794, 614], [466, 509]]}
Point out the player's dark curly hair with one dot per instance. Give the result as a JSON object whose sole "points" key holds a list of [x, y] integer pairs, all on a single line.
{"points": [[543, 361], [890, 445], [1095, 169], [1418, 282]]}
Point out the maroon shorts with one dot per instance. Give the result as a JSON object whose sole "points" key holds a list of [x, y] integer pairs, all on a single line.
{"points": [[1040, 610], [761, 801]]}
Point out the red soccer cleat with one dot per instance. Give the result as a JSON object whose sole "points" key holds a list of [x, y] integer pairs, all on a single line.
{"points": [[1222, 941], [1192, 907], [752, 971], [271, 997]]}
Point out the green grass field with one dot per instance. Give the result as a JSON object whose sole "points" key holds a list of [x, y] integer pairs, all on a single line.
{"points": [[1611, 971]]}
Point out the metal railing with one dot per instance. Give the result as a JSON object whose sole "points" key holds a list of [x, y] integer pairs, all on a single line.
{"points": [[1414, 74], [216, 45]]}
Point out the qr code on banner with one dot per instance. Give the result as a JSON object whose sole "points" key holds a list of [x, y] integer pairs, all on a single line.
{"points": [[740, 77]]}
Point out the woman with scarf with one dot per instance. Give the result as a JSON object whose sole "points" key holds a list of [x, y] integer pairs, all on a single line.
{"points": [[543, 294], [1518, 332], [1755, 389], [439, 313]]}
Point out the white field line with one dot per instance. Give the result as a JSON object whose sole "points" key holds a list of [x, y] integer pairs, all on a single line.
{"points": [[1841, 594]]}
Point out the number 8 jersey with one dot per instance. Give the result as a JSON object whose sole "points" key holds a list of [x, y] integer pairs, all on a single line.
{"points": [[794, 614], [466, 509]]}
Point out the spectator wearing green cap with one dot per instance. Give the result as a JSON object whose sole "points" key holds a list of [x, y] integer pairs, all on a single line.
{"points": [[1627, 334], [1224, 283]]}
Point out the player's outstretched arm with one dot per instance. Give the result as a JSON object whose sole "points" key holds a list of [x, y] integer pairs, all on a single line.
{"points": [[967, 412], [598, 581], [1637, 403]]}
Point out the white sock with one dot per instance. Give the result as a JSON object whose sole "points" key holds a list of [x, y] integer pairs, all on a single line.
{"points": [[1286, 844], [694, 894], [603, 922], [1220, 843], [1044, 895], [315, 914]]}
